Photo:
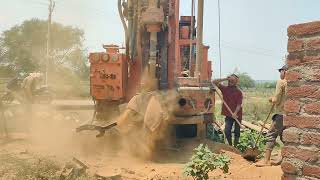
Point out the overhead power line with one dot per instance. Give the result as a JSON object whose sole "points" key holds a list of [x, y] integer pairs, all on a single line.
{"points": [[255, 48], [250, 51]]}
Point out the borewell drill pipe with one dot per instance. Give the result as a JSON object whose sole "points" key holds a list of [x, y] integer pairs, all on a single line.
{"points": [[199, 58]]}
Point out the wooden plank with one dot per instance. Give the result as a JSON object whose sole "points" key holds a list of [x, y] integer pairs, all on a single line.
{"points": [[252, 126], [267, 126]]}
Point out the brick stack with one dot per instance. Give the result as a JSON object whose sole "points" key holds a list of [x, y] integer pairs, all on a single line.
{"points": [[302, 137]]}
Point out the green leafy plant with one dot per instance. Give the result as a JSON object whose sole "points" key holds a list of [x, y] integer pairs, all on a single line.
{"points": [[214, 135], [222, 161], [203, 161], [248, 138]]}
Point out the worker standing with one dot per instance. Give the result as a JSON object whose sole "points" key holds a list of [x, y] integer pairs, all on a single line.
{"points": [[277, 119], [29, 86], [232, 96]]}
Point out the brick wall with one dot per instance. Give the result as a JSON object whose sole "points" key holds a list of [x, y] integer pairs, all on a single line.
{"points": [[302, 136]]}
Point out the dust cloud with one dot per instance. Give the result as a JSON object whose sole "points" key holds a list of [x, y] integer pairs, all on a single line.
{"points": [[140, 129]]}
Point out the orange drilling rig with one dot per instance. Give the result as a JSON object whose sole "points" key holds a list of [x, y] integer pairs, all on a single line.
{"points": [[167, 46]]}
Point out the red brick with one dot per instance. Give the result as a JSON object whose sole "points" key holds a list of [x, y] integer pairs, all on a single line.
{"points": [[313, 44], [287, 151], [311, 171], [292, 106], [292, 62], [315, 95], [312, 108], [311, 59], [310, 138], [302, 121], [301, 91], [294, 59], [289, 168], [288, 177], [295, 45], [293, 76], [302, 154], [304, 29], [315, 76], [291, 136]]}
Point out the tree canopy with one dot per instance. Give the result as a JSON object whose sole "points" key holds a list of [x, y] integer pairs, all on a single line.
{"points": [[23, 48], [246, 81]]}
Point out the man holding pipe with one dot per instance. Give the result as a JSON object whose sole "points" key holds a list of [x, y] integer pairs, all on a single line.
{"points": [[232, 108]]}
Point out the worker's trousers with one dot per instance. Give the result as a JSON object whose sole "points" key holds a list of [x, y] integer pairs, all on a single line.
{"points": [[229, 121], [275, 131]]}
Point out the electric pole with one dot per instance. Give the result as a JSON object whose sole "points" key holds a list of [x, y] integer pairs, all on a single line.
{"points": [[51, 8]]}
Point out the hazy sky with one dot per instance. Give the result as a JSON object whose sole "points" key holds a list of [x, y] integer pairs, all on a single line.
{"points": [[253, 32]]}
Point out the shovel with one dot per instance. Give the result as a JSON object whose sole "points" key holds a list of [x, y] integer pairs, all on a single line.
{"points": [[252, 153]]}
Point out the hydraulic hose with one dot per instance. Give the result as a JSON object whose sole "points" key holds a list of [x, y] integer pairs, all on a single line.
{"points": [[125, 27]]}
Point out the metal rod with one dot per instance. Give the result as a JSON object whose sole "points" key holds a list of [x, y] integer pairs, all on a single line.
{"points": [[199, 38], [130, 26], [153, 54], [191, 36]]}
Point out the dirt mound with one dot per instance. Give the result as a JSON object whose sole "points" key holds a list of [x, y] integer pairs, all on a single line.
{"points": [[167, 165], [53, 137]]}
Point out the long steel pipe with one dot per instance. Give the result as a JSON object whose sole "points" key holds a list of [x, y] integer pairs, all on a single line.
{"points": [[199, 38], [191, 37]]}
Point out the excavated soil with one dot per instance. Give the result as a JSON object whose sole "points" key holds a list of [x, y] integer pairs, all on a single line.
{"points": [[120, 165], [51, 142]]}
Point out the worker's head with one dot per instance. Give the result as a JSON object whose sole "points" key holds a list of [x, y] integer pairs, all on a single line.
{"points": [[283, 71], [233, 80]]}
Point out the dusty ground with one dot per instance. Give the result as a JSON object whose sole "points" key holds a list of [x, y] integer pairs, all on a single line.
{"points": [[51, 142]]}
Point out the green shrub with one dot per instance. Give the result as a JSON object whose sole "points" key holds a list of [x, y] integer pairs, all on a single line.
{"points": [[246, 81], [203, 161], [214, 135], [248, 138]]}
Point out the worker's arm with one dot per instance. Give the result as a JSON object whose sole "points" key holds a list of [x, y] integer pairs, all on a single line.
{"points": [[277, 95], [239, 105], [218, 82], [235, 114]]}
